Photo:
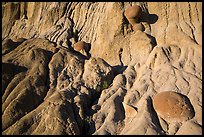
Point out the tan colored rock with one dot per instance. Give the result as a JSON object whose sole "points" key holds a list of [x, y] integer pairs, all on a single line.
{"points": [[132, 97], [138, 26], [129, 111], [55, 116], [97, 74], [81, 45], [31, 94], [172, 106], [20, 40], [190, 128], [39, 99], [11, 13], [133, 14]]}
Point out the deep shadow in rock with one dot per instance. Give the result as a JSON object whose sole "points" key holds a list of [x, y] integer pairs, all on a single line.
{"points": [[8, 45], [154, 116], [75, 35], [69, 43], [149, 18], [91, 128], [120, 112], [153, 40], [119, 69], [83, 57], [9, 70]]}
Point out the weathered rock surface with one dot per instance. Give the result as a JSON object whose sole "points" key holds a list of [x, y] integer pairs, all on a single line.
{"points": [[50, 88]]}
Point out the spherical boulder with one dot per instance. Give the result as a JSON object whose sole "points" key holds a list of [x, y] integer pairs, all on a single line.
{"points": [[132, 14], [173, 106], [81, 45]]}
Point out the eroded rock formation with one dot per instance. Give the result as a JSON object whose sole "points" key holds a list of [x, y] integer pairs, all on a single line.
{"points": [[48, 87]]}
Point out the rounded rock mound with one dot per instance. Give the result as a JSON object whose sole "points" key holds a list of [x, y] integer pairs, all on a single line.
{"points": [[173, 106], [133, 13], [81, 45]]}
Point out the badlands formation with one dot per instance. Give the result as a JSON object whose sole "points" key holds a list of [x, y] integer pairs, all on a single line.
{"points": [[101, 68]]}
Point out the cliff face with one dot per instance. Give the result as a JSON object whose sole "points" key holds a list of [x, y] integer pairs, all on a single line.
{"points": [[48, 88]]}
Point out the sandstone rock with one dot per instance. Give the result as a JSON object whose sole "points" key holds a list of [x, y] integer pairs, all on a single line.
{"points": [[31, 94], [119, 81], [54, 116], [42, 75], [130, 75], [190, 128], [172, 106], [138, 26], [20, 40], [82, 46], [133, 14], [146, 115], [132, 97], [97, 74], [129, 111], [10, 13]]}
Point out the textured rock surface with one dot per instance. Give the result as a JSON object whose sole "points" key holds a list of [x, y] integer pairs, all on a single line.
{"points": [[49, 88]]}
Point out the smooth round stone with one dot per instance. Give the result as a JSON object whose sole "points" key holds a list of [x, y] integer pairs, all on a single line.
{"points": [[173, 107]]}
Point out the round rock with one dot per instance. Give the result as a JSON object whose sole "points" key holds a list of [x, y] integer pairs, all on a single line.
{"points": [[81, 45], [173, 106], [133, 13]]}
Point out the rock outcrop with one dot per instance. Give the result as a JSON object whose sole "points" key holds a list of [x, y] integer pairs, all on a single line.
{"points": [[119, 85]]}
